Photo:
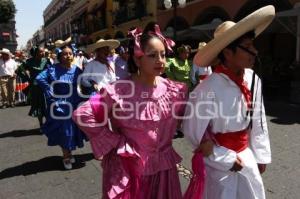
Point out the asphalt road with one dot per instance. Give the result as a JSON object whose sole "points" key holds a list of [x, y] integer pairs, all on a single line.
{"points": [[29, 169]]}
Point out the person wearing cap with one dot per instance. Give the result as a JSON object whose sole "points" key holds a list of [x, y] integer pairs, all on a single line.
{"points": [[99, 72], [228, 109], [8, 66]]}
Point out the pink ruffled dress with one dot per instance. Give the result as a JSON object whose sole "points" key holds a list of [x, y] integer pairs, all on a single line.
{"points": [[139, 161]]}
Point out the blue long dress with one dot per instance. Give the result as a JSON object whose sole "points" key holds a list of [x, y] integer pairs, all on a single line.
{"points": [[60, 88]]}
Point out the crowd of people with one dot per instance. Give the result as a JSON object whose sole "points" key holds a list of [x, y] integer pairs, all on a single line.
{"points": [[130, 101]]}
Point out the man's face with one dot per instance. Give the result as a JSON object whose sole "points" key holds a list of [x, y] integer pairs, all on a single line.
{"points": [[5, 56], [103, 52], [244, 57]]}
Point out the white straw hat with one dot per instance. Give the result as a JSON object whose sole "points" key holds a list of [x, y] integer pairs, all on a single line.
{"points": [[111, 43], [6, 51], [229, 31]]}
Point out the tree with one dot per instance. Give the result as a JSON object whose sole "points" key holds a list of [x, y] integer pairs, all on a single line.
{"points": [[7, 10]]}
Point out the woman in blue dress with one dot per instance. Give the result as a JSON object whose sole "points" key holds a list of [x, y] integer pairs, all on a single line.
{"points": [[59, 84]]}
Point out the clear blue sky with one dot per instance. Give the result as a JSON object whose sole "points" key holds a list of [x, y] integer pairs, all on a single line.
{"points": [[29, 18]]}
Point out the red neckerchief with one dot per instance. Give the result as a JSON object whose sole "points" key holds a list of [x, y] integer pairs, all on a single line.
{"points": [[239, 81]]}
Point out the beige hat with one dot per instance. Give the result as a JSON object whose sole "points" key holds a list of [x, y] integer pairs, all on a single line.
{"points": [[111, 43], [5, 51], [60, 43], [68, 40], [229, 31]]}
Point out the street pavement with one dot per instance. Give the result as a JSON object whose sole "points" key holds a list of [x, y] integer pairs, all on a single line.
{"points": [[29, 169]]}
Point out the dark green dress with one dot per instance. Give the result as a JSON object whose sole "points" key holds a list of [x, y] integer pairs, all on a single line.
{"points": [[36, 96]]}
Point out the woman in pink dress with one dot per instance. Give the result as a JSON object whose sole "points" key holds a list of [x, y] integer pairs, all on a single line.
{"points": [[135, 146]]}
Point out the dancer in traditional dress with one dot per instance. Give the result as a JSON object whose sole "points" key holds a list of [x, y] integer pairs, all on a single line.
{"points": [[59, 84], [228, 107], [138, 159]]}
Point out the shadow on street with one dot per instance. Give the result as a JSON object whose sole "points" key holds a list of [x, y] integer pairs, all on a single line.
{"points": [[284, 113], [21, 133], [53, 163]]}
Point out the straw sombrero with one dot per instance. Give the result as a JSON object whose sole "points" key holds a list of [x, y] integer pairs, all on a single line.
{"points": [[60, 43], [6, 51], [68, 40], [111, 43], [229, 31]]}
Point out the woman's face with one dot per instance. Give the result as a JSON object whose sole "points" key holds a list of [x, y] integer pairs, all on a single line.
{"points": [[66, 56], [41, 53], [184, 54], [152, 63]]}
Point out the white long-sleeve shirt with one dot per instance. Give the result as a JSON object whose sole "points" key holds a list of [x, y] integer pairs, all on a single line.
{"points": [[218, 103], [99, 73], [7, 68]]}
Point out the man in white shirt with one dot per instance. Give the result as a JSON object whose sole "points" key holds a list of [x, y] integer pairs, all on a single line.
{"points": [[7, 78], [228, 108], [80, 60], [99, 72]]}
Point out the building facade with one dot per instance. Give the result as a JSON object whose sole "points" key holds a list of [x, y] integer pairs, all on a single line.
{"points": [[277, 45], [8, 36], [113, 18], [57, 20], [38, 38], [89, 20]]}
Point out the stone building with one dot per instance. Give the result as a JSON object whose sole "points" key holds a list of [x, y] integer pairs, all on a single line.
{"points": [[8, 36]]}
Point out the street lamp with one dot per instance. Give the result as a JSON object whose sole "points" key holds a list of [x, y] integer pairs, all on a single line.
{"points": [[168, 4]]}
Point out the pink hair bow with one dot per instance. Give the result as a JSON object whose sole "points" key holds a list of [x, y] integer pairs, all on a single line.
{"points": [[136, 35], [169, 43]]}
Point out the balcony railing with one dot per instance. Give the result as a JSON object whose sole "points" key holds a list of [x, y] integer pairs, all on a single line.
{"points": [[130, 11], [58, 13]]}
